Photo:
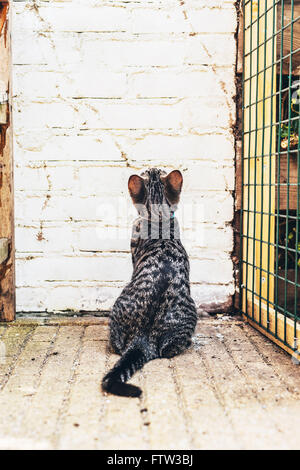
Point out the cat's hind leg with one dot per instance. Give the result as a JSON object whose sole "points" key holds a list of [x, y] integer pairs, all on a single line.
{"points": [[175, 332], [117, 336], [122, 329], [171, 344]]}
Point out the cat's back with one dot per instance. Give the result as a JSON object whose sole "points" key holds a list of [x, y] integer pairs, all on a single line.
{"points": [[162, 251], [162, 263]]}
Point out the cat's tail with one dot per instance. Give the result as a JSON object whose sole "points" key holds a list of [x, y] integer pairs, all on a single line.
{"points": [[133, 359]]}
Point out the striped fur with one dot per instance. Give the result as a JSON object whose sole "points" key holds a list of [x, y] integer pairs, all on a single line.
{"points": [[155, 316]]}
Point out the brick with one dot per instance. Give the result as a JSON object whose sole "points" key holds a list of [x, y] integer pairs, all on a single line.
{"points": [[122, 114], [159, 381], [211, 294], [50, 144], [61, 239], [201, 207], [207, 271], [77, 431], [41, 115], [182, 83], [206, 237], [207, 176], [71, 17], [202, 20], [67, 238], [173, 147], [56, 297], [92, 297], [43, 83], [40, 83], [72, 51], [139, 20], [102, 268]]}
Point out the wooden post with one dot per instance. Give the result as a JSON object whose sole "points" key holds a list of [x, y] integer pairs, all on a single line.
{"points": [[7, 261]]}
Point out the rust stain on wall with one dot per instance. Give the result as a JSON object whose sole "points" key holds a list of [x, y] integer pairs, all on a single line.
{"points": [[5, 266], [40, 236], [3, 25], [3, 131], [3, 15]]}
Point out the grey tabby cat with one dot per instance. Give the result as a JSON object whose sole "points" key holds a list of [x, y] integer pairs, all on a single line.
{"points": [[155, 316]]}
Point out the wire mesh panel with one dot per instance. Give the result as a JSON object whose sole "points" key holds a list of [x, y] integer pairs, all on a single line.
{"points": [[270, 238]]}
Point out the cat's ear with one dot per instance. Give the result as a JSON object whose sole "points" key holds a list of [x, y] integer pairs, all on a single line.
{"points": [[137, 190], [173, 185]]}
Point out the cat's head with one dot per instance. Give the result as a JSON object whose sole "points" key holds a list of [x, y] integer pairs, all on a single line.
{"points": [[155, 192]]}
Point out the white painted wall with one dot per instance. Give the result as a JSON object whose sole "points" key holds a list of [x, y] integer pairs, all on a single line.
{"points": [[103, 89]]}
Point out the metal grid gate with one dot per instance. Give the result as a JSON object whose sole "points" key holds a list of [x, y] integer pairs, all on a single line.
{"points": [[270, 238]]}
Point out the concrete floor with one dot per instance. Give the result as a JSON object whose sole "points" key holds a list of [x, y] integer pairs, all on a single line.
{"points": [[233, 389]]}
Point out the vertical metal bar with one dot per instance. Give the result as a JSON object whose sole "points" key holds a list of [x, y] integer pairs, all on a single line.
{"points": [[255, 163], [270, 156], [287, 220], [297, 254], [278, 170], [241, 267], [249, 154], [261, 274]]}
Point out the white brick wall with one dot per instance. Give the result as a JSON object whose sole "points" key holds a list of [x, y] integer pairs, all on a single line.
{"points": [[103, 89]]}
